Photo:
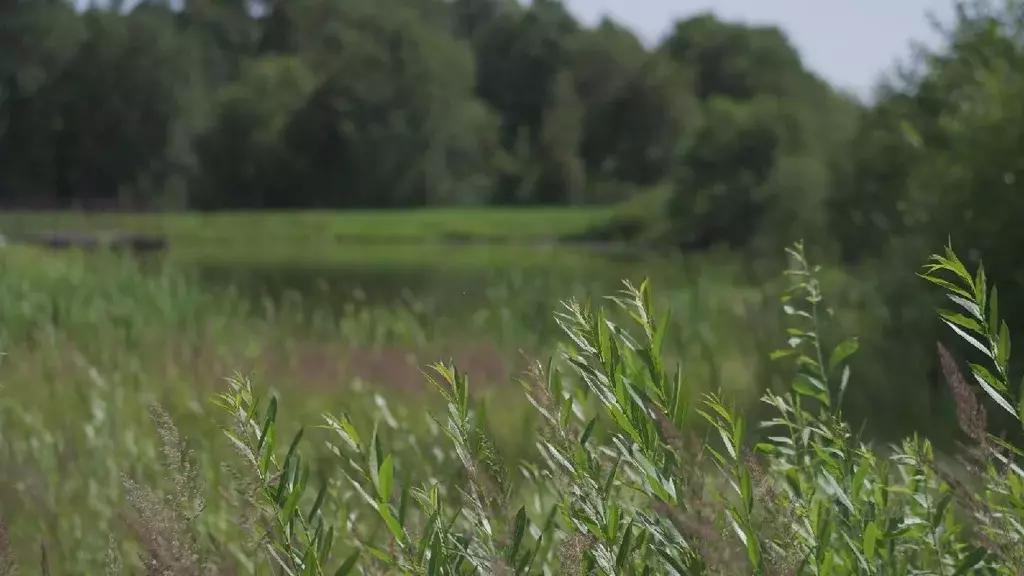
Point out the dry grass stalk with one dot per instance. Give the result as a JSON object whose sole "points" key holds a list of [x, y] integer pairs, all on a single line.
{"points": [[161, 524], [8, 565], [779, 519], [973, 420], [697, 521], [44, 560], [970, 414], [114, 566], [573, 550]]}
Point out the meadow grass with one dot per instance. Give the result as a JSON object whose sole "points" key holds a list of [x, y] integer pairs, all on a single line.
{"points": [[91, 341], [426, 257], [627, 453]]}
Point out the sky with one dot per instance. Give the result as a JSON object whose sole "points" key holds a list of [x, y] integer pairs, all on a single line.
{"points": [[850, 43]]}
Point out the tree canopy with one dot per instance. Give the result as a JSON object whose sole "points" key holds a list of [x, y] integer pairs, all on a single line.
{"points": [[272, 104], [378, 103]]}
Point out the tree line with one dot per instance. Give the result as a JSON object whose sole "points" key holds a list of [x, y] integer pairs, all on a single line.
{"points": [[279, 104], [382, 103]]}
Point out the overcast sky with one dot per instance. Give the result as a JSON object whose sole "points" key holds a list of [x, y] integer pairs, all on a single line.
{"points": [[848, 42]]}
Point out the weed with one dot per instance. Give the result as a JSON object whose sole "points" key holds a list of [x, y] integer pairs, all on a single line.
{"points": [[638, 469]]}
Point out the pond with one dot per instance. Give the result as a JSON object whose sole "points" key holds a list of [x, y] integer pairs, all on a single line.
{"points": [[458, 280], [504, 296], [726, 318]]}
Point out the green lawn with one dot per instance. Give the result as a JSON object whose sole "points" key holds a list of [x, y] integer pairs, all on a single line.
{"points": [[392, 226], [406, 256]]}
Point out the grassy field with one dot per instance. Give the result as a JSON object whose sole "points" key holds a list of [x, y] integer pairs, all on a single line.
{"points": [[90, 342], [408, 256], [509, 225], [109, 370]]}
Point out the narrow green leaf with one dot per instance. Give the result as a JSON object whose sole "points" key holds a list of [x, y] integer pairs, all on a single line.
{"points": [[392, 523], [348, 565], [994, 394], [993, 314], [343, 427], [294, 445], [386, 479], [777, 354], [318, 503], [962, 321], [827, 564], [267, 454], [268, 423], [1020, 406], [614, 515], [947, 285], [841, 352], [753, 550], [282, 483], [844, 382], [624, 548], [463, 386], [517, 535], [1003, 347], [940, 508], [969, 305], [746, 489], [972, 559], [610, 480], [968, 338], [871, 534], [374, 457], [952, 263], [435, 556], [380, 555], [528, 561], [326, 545], [588, 431], [980, 285], [291, 503]]}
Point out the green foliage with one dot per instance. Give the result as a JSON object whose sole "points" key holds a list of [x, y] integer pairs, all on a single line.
{"points": [[936, 143], [393, 103], [622, 486], [636, 471]]}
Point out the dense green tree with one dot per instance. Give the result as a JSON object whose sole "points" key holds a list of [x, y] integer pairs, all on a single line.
{"points": [[733, 60], [938, 154], [936, 158], [393, 116], [562, 178], [105, 114], [226, 31], [241, 156], [37, 41], [316, 103], [719, 196], [759, 167], [470, 18], [638, 106]]}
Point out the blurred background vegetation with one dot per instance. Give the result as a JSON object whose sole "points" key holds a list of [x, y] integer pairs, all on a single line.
{"points": [[351, 190], [445, 152]]}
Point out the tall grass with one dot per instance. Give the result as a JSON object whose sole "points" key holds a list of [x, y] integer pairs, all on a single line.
{"points": [[637, 468]]}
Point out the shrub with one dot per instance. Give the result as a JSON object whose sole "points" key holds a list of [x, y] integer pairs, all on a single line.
{"points": [[637, 475]]}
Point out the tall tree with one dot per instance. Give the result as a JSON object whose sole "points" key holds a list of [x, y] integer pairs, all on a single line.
{"points": [[38, 40], [733, 60], [241, 153], [392, 109], [562, 178]]}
